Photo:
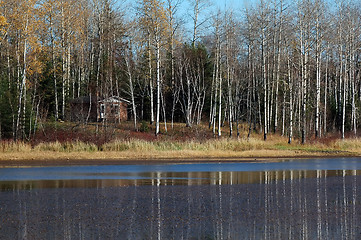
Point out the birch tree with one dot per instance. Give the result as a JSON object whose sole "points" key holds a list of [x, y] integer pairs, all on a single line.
{"points": [[172, 7], [154, 20], [198, 6], [304, 17]]}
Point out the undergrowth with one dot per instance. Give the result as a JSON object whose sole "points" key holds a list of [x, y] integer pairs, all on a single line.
{"points": [[274, 143]]}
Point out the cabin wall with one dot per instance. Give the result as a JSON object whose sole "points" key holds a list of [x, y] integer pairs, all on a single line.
{"points": [[113, 111]]}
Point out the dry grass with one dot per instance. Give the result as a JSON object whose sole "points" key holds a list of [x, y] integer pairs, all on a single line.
{"points": [[255, 147], [351, 144], [208, 145], [76, 146], [11, 146]]}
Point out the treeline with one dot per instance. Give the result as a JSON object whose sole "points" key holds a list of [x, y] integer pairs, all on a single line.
{"points": [[287, 67]]}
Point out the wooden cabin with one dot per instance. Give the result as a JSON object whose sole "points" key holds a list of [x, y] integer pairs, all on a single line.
{"points": [[90, 109]]}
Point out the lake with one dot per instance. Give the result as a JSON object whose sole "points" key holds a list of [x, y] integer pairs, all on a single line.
{"points": [[288, 199]]}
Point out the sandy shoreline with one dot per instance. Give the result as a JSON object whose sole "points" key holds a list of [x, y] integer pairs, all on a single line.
{"points": [[128, 157]]}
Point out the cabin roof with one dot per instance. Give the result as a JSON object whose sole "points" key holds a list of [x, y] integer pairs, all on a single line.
{"points": [[86, 100], [114, 99]]}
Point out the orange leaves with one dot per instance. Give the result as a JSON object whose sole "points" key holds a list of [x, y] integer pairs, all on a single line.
{"points": [[35, 66], [3, 22], [154, 18], [3, 25], [21, 20]]}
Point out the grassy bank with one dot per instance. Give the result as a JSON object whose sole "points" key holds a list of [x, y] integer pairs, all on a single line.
{"points": [[166, 149]]}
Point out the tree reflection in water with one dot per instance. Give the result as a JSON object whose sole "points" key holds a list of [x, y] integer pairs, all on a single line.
{"points": [[316, 204]]}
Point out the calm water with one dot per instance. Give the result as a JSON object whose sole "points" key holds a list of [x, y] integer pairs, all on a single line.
{"points": [[294, 199]]}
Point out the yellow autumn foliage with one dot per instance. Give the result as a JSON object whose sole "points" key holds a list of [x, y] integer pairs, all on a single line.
{"points": [[3, 24], [154, 18]]}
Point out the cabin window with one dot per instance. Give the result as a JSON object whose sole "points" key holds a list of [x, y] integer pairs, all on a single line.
{"points": [[102, 110], [115, 109]]}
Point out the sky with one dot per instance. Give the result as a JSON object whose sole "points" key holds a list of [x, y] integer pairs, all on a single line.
{"points": [[236, 6], [222, 4], [185, 10], [232, 4]]}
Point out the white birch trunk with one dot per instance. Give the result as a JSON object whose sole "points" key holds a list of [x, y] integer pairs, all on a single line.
{"points": [[189, 100], [22, 94], [229, 83], [318, 78], [344, 102], [131, 89], [150, 81], [220, 107], [54, 69], [63, 60], [278, 70], [158, 86], [325, 96], [290, 84], [265, 87]]}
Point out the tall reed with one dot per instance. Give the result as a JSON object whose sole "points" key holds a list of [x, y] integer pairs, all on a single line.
{"points": [[209, 145], [14, 146], [350, 144], [75, 146]]}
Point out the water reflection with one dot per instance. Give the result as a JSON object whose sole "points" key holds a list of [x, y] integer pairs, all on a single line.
{"points": [[319, 204], [177, 178]]}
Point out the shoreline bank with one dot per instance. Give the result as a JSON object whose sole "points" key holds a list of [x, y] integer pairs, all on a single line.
{"points": [[135, 151], [51, 158]]}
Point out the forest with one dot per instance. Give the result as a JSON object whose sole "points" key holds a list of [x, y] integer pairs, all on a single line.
{"points": [[282, 67]]}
